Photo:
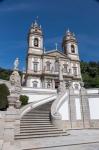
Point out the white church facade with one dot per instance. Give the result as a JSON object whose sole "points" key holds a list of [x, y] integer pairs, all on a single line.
{"points": [[56, 76], [42, 66]]}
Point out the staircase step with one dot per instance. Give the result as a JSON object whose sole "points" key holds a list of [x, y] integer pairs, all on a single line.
{"points": [[17, 137], [35, 128], [43, 125], [40, 130], [40, 133], [35, 117], [39, 111], [31, 114], [35, 121]]}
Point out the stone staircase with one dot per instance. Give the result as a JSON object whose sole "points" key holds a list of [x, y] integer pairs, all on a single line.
{"points": [[37, 124]]}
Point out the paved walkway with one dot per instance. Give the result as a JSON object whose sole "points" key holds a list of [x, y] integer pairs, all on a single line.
{"points": [[77, 140]]}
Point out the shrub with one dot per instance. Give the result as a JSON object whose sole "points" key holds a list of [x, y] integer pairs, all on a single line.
{"points": [[4, 92], [24, 100]]}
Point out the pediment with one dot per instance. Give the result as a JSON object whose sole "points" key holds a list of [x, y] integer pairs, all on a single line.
{"points": [[56, 53]]}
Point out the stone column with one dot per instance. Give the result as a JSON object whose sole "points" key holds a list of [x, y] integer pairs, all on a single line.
{"points": [[72, 108], [61, 81], [85, 108], [53, 83], [12, 120]]}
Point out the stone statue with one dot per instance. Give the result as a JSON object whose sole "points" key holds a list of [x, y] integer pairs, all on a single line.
{"points": [[16, 64], [15, 91]]}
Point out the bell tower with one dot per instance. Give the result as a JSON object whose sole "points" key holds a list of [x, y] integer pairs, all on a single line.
{"points": [[70, 46], [35, 39], [34, 56]]}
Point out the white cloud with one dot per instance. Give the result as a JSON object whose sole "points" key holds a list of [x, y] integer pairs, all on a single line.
{"points": [[28, 5]]}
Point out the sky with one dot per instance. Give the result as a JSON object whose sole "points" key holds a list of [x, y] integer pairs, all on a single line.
{"points": [[55, 17]]}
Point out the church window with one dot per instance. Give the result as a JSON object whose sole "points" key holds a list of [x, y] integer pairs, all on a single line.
{"points": [[76, 86], [35, 84], [36, 42], [56, 66], [35, 59], [72, 48], [65, 68], [35, 67], [48, 65], [75, 71], [48, 84]]}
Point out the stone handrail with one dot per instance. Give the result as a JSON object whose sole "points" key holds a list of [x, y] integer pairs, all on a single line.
{"points": [[57, 104], [35, 104]]}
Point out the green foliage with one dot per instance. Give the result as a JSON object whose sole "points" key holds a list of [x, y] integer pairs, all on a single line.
{"points": [[5, 73], [24, 100], [90, 74], [4, 92]]}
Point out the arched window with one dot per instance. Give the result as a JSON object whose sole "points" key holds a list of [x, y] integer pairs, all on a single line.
{"points": [[36, 42], [75, 71], [48, 84], [72, 48], [56, 66], [35, 84], [35, 66], [65, 69], [48, 66]]}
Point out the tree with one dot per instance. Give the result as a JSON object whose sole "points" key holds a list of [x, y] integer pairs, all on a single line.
{"points": [[24, 100], [4, 92]]}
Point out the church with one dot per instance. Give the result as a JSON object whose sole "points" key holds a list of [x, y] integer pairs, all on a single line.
{"points": [[43, 66], [57, 99], [54, 76]]}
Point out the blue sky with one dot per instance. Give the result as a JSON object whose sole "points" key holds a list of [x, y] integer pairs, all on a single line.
{"points": [[55, 17]]}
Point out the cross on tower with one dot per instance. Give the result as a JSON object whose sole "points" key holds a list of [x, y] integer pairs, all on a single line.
{"points": [[56, 45]]}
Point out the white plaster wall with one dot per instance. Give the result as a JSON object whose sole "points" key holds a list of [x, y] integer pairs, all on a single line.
{"points": [[35, 97], [30, 82], [94, 108], [64, 111], [78, 111], [38, 94], [93, 91]]}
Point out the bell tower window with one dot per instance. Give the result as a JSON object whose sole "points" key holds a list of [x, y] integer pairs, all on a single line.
{"points": [[72, 48], [36, 42]]}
